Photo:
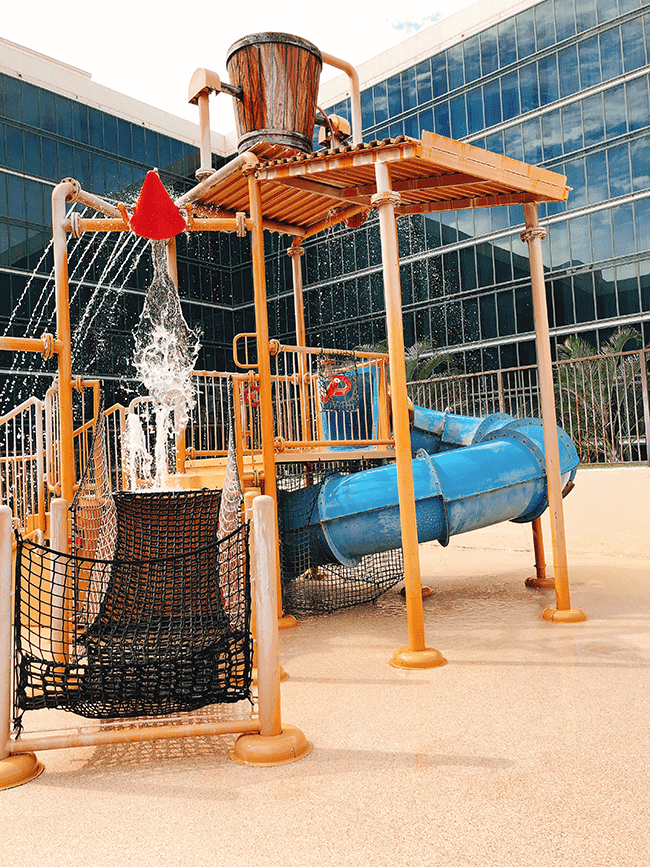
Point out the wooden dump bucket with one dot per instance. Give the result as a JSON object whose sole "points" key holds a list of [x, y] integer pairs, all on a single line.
{"points": [[279, 75]]}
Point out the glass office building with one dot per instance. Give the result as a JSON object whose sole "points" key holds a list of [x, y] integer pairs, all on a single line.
{"points": [[46, 136], [561, 83]]}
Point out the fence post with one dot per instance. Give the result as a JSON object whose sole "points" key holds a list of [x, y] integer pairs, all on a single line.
{"points": [[502, 400], [276, 744], [646, 400]]}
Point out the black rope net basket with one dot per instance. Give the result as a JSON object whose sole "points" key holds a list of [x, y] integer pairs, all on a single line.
{"points": [[311, 581], [171, 632], [160, 625]]}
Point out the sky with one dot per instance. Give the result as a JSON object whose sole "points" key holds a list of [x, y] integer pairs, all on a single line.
{"points": [[149, 50]]}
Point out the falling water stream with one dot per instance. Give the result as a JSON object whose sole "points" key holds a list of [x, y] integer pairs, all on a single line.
{"points": [[120, 263], [165, 352]]}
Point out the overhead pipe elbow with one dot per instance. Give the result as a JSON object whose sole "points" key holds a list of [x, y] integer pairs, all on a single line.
{"points": [[202, 84], [70, 191], [355, 93], [246, 162], [67, 190]]}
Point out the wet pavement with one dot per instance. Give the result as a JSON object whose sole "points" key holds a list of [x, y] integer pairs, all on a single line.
{"points": [[530, 747]]}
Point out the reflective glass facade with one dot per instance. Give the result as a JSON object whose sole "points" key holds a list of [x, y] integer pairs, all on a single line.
{"points": [[563, 84], [45, 137]]}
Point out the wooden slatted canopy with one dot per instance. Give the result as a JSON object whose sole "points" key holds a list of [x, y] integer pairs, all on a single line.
{"points": [[303, 194]]}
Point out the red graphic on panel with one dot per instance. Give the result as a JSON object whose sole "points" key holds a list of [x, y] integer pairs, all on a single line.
{"points": [[337, 387]]}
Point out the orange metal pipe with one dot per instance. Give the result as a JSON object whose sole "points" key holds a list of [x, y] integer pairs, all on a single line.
{"points": [[103, 224], [275, 744], [266, 628], [6, 636], [61, 632], [355, 95], [27, 344], [538, 547], [332, 444], [93, 201], [533, 237], [201, 191], [59, 196], [310, 350], [264, 362], [131, 735], [214, 224], [205, 138], [385, 200], [172, 270], [296, 253], [229, 224], [333, 220], [540, 580], [262, 335]]}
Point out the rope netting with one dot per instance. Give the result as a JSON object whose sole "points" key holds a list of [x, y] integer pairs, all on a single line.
{"points": [[94, 520], [231, 495], [311, 582], [171, 632], [151, 613]]}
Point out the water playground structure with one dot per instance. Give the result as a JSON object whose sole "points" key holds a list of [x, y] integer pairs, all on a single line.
{"points": [[121, 605]]}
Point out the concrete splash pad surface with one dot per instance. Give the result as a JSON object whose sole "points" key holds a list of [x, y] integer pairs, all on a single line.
{"points": [[530, 747]]}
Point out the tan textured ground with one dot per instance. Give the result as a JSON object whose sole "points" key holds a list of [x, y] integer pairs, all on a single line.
{"points": [[531, 747]]}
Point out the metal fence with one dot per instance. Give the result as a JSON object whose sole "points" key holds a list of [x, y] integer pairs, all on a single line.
{"points": [[602, 401], [22, 464]]}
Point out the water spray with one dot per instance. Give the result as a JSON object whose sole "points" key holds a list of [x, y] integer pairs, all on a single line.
{"points": [[166, 348]]}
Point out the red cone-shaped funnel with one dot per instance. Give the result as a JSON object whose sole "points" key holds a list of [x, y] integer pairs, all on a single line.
{"points": [[156, 216]]}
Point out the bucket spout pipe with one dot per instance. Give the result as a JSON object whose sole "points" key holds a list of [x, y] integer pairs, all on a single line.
{"points": [[355, 94], [202, 84]]}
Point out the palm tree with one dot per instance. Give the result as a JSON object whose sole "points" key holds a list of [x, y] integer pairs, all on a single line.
{"points": [[422, 359], [596, 399]]}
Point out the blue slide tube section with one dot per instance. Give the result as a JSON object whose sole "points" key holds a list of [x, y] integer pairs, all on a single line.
{"points": [[436, 431], [499, 476]]}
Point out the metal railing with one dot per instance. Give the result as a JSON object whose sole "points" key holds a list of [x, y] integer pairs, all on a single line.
{"points": [[86, 406], [602, 401], [114, 425], [330, 397], [22, 464], [321, 398]]}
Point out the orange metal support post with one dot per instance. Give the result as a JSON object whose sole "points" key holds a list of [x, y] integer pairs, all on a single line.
{"points": [[172, 270], [533, 236], [59, 198], [275, 743], [264, 368], [297, 252], [22, 767], [540, 580], [417, 654]]}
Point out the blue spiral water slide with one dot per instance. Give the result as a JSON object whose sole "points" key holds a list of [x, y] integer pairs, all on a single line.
{"points": [[468, 473]]}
